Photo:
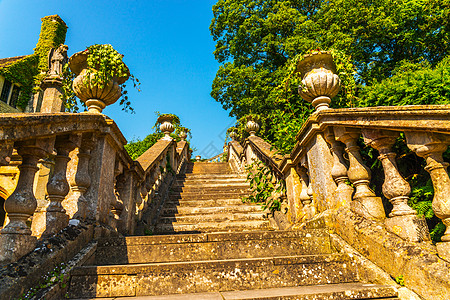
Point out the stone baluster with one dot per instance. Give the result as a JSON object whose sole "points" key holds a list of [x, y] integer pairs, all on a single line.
{"points": [[76, 204], [58, 187], [117, 203], [431, 146], [403, 219], [343, 192], [365, 203], [305, 197], [15, 237]]}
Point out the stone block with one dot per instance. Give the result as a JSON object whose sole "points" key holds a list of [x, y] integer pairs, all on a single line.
{"points": [[444, 250], [409, 227], [14, 246]]}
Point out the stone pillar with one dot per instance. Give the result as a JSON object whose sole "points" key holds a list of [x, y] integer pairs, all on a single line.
{"points": [[54, 217], [117, 203], [365, 203], [320, 164], [402, 220], [15, 237], [293, 190], [100, 193], [431, 146], [343, 193]]}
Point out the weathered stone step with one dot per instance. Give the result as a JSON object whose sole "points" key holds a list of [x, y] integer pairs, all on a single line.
{"points": [[358, 291], [182, 210], [209, 191], [174, 202], [210, 187], [212, 226], [211, 246], [210, 276], [190, 176], [196, 181], [217, 217], [207, 195]]}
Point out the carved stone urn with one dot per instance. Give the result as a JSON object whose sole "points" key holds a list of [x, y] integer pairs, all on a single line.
{"points": [[166, 126], [95, 96], [233, 135], [251, 127], [182, 135], [320, 83]]}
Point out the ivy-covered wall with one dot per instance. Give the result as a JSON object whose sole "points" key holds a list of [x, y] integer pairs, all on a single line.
{"points": [[29, 71]]}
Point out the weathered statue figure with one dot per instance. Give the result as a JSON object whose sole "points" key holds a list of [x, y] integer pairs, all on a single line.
{"points": [[57, 58]]}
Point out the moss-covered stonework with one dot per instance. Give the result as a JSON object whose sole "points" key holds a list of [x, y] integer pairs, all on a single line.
{"points": [[29, 71]]}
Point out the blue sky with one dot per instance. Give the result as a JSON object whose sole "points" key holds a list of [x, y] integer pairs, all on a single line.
{"points": [[166, 43]]}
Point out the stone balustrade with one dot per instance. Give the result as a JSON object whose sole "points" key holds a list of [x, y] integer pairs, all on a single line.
{"points": [[326, 172], [90, 178]]}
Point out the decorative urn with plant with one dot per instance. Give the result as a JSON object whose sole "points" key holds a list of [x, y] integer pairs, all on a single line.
{"points": [[319, 80], [100, 76], [166, 125], [183, 133]]}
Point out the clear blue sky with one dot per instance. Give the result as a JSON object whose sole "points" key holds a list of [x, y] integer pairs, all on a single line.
{"points": [[166, 43]]}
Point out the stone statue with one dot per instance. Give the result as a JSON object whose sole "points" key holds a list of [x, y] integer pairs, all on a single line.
{"points": [[57, 58]]}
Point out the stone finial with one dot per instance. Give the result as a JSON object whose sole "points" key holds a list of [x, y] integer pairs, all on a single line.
{"points": [[252, 127], [198, 158], [320, 83]]}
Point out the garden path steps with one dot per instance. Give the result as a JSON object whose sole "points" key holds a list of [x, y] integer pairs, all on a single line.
{"points": [[209, 245]]}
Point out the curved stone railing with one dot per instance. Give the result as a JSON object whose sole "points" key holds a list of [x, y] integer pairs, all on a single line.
{"points": [[326, 177], [80, 162]]}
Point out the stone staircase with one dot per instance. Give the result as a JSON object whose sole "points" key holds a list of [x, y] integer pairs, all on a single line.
{"points": [[207, 198], [222, 249]]}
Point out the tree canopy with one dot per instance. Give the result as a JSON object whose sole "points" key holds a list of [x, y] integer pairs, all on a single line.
{"points": [[258, 40]]}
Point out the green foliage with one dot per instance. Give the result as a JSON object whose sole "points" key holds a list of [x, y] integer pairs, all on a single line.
{"points": [[265, 187], [411, 84], [53, 34], [400, 280], [22, 72], [136, 148]]}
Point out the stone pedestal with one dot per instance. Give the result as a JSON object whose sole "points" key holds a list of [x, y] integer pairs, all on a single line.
{"points": [[52, 101]]}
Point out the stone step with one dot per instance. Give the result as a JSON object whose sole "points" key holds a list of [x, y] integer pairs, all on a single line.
{"points": [[200, 227], [357, 291], [189, 191], [217, 217], [182, 182], [175, 202], [190, 176], [182, 210], [211, 246], [210, 276], [209, 187], [207, 196]]}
